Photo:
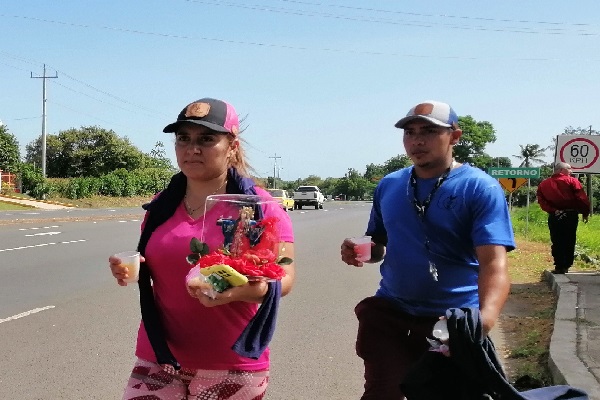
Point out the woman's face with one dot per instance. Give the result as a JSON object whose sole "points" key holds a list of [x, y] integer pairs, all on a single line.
{"points": [[203, 154]]}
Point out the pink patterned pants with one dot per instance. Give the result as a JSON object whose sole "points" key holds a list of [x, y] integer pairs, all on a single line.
{"points": [[148, 381]]}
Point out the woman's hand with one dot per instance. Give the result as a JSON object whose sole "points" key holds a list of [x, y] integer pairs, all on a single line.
{"points": [[251, 292], [119, 271]]}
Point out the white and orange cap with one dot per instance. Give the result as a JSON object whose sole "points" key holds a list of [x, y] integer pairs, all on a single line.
{"points": [[436, 112]]}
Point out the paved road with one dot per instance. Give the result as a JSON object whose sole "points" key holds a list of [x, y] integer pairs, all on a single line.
{"points": [[68, 330], [71, 214]]}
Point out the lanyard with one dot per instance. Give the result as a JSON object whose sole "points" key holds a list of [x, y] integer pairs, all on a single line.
{"points": [[421, 209]]}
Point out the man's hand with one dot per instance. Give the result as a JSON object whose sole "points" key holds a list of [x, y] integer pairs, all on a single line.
{"points": [[348, 253]]}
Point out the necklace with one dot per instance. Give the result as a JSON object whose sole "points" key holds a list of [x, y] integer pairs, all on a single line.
{"points": [[191, 210]]}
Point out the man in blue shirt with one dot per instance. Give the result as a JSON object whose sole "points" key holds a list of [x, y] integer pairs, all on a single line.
{"points": [[443, 231]]}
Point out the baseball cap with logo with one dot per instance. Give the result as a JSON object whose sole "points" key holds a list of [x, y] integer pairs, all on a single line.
{"points": [[212, 113], [433, 111]]}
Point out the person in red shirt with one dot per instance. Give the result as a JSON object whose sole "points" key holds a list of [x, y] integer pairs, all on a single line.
{"points": [[563, 198]]}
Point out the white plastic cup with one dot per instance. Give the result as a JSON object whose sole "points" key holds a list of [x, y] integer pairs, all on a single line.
{"points": [[130, 260], [440, 330], [363, 250]]}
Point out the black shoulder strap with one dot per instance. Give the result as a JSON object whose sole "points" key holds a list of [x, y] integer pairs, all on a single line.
{"points": [[159, 210]]}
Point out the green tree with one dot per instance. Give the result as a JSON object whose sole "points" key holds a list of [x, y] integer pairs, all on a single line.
{"points": [[9, 151], [484, 162], [476, 135], [374, 172], [158, 157], [328, 187], [88, 151], [354, 185], [396, 163], [32, 181], [312, 180], [569, 130], [531, 154]]}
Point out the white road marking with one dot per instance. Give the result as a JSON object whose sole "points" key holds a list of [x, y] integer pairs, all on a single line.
{"points": [[41, 245], [26, 313], [43, 227], [45, 234]]}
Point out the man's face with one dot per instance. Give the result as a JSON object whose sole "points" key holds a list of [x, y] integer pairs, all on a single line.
{"points": [[427, 144]]}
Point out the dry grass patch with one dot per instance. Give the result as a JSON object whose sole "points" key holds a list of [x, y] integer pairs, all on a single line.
{"points": [[527, 320]]}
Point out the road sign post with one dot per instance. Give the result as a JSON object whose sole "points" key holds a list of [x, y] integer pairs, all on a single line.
{"points": [[512, 184], [582, 152], [513, 178], [524, 172]]}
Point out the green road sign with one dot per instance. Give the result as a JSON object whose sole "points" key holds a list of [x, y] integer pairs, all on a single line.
{"points": [[502, 172]]}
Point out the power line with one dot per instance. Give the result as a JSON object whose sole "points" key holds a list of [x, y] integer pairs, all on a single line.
{"points": [[302, 48], [438, 15], [122, 100], [149, 113], [422, 24]]}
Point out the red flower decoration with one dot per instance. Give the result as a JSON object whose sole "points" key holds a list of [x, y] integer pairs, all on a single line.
{"points": [[251, 264], [259, 260]]}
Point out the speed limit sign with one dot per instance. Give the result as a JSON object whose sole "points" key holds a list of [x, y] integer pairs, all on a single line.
{"points": [[580, 151]]}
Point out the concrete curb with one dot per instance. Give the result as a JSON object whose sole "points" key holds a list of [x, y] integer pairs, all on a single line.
{"points": [[24, 201], [565, 365]]}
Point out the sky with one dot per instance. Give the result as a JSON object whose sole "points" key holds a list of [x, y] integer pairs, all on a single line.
{"points": [[319, 84]]}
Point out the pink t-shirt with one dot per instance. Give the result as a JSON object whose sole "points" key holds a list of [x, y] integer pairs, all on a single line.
{"points": [[199, 337]]}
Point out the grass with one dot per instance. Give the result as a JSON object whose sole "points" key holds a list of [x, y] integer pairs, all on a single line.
{"points": [[527, 320], [531, 346], [5, 206], [531, 225]]}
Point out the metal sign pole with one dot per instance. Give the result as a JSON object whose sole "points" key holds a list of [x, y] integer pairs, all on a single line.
{"points": [[527, 210]]}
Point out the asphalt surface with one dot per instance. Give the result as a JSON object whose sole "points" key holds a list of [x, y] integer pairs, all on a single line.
{"points": [[575, 345]]}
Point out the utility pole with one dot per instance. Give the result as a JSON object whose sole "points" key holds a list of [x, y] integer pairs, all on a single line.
{"points": [[44, 77], [274, 170], [589, 186]]}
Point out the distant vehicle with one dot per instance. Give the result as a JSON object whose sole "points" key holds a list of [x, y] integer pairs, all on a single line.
{"points": [[287, 203], [308, 196]]}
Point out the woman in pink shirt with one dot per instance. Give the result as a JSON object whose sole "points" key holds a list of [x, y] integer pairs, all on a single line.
{"points": [[194, 343]]}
